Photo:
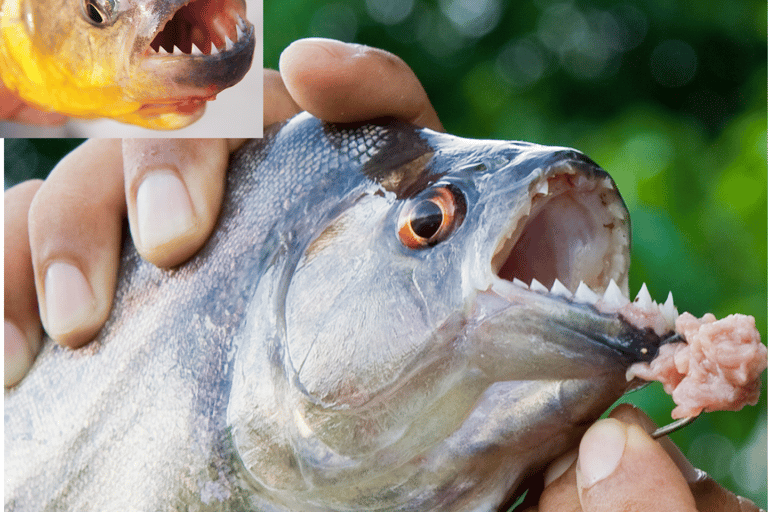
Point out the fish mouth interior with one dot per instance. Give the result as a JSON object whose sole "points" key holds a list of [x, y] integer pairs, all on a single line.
{"points": [[574, 229], [202, 27]]}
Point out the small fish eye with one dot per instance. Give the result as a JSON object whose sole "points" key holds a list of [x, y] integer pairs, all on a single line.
{"points": [[431, 218], [96, 13]]}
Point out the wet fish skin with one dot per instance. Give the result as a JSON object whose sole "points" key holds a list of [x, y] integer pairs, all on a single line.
{"points": [[305, 360]]}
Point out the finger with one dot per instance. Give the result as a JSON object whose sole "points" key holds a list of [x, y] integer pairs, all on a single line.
{"points": [[74, 236], [628, 413], [278, 104], [342, 82], [174, 189], [620, 467], [712, 497], [560, 493], [709, 495], [22, 321]]}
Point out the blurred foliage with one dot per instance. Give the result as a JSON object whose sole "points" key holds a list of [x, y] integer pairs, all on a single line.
{"points": [[33, 158], [669, 97]]}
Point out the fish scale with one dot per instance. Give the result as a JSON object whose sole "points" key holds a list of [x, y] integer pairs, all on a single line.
{"points": [[305, 359]]}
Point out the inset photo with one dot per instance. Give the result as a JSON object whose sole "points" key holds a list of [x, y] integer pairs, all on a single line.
{"points": [[131, 68]]}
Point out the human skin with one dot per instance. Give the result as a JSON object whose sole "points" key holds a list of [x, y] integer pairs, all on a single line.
{"points": [[13, 108], [62, 243]]}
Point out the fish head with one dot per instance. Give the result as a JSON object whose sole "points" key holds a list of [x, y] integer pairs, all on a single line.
{"points": [[414, 365], [146, 62]]}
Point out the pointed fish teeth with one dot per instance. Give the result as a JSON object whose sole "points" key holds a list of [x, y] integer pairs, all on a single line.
{"points": [[560, 289], [542, 187], [238, 29], [214, 50], [585, 294], [536, 286], [196, 50], [643, 299], [162, 50], [503, 287], [228, 44], [669, 311], [613, 296], [519, 283]]}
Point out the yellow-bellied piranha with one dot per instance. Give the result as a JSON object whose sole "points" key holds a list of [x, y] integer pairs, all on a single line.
{"points": [[153, 63]]}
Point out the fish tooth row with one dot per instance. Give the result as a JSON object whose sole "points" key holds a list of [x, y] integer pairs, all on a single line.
{"points": [[585, 294], [612, 297]]}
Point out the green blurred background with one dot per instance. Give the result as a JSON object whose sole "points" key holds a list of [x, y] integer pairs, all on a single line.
{"points": [[669, 97]]}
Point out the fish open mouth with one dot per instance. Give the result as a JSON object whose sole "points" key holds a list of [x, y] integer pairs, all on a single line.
{"points": [[571, 242], [203, 47], [203, 27]]}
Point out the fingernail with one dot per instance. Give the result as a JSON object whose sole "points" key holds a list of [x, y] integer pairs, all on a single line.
{"points": [[600, 451], [163, 209], [18, 355], [69, 301], [559, 466]]}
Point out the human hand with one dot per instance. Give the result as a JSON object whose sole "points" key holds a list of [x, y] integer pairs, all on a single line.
{"points": [[618, 466], [13, 108], [62, 236]]}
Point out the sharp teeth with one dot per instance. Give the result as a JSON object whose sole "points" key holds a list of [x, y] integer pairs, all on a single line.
{"points": [[196, 50], [503, 288], [214, 50], [616, 210], [669, 311], [239, 30], [585, 294], [162, 50], [220, 27], [542, 187], [613, 296], [519, 283], [228, 44], [559, 288], [538, 287], [643, 299]]}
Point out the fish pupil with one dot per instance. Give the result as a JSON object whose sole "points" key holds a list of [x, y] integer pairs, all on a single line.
{"points": [[94, 13], [426, 219]]}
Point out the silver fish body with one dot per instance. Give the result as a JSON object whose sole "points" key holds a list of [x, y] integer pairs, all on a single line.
{"points": [[350, 338]]}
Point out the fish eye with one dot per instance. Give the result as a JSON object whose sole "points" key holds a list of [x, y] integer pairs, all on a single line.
{"points": [[431, 218], [98, 12]]}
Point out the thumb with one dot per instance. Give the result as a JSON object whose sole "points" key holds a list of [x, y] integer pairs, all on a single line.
{"points": [[620, 467]]}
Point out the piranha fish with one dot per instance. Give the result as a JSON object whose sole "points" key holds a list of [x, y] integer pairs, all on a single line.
{"points": [[152, 63], [359, 333]]}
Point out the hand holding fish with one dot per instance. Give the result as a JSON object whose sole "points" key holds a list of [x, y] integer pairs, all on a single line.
{"points": [[70, 224], [152, 170], [620, 467]]}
